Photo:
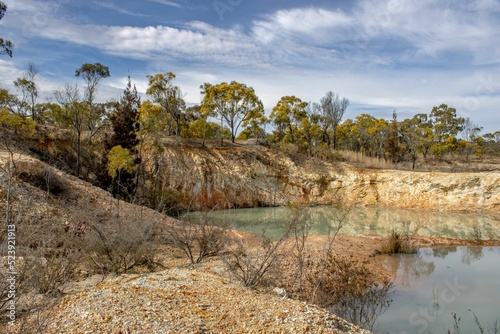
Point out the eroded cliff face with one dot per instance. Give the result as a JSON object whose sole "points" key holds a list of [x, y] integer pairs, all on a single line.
{"points": [[251, 176]]}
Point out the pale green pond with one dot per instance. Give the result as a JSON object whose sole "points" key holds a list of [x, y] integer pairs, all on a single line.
{"points": [[361, 221]]}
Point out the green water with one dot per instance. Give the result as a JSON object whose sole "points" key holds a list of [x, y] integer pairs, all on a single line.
{"points": [[360, 221]]}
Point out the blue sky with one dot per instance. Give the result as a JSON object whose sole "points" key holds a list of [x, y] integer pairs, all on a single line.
{"points": [[381, 54]]}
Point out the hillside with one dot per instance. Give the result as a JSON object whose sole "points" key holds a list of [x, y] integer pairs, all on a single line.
{"points": [[173, 299]]}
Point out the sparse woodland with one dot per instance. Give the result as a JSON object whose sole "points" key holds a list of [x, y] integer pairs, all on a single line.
{"points": [[107, 143], [65, 233]]}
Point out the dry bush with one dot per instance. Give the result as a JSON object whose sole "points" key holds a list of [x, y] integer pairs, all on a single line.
{"points": [[400, 242], [41, 176], [197, 239], [261, 265], [255, 267], [118, 246], [346, 287], [366, 161]]}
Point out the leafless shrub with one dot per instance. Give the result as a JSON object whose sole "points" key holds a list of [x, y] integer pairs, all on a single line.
{"points": [[300, 226], [255, 266], [197, 239], [477, 233], [119, 246], [350, 290], [456, 324], [49, 276]]}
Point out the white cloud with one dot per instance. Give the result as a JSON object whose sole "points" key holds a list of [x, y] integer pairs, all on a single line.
{"points": [[431, 27], [118, 9], [312, 22], [167, 3]]}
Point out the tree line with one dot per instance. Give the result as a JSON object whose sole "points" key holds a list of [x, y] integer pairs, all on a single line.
{"points": [[109, 138]]}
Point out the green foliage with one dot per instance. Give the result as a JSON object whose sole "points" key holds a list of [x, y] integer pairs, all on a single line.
{"points": [[168, 96], [49, 113], [234, 103], [445, 122], [5, 45], [366, 134], [17, 123], [286, 116], [201, 129], [119, 160], [92, 73]]}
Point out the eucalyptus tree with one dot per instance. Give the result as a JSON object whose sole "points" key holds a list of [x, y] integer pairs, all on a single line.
{"points": [[235, 103], [333, 108], [93, 74], [287, 115], [72, 115], [29, 91], [168, 96], [5, 45]]}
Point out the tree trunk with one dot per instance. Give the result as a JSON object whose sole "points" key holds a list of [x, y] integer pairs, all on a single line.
{"points": [[78, 152], [334, 137]]}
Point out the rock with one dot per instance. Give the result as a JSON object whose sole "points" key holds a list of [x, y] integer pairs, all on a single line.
{"points": [[252, 176]]}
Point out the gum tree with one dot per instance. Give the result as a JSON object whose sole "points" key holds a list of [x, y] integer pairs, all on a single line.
{"points": [[333, 109], [287, 115], [168, 96], [93, 74], [29, 90], [5, 45], [235, 103]]}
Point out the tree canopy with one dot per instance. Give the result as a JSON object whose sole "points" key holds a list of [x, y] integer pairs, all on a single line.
{"points": [[234, 103], [6, 46]]}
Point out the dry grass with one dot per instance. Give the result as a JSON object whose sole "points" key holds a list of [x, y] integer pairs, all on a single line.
{"points": [[358, 158]]}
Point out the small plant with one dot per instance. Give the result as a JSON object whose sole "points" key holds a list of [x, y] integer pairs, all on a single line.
{"points": [[477, 233], [400, 242], [257, 267], [456, 324], [198, 240], [491, 329]]}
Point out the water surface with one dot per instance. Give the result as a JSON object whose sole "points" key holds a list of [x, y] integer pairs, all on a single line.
{"points": [[435, 283], [361, 221]]}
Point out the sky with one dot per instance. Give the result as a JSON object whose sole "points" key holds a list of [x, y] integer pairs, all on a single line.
{"points": [[383, 55]]}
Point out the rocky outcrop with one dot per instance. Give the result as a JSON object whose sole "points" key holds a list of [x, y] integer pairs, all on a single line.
{"points": [[251, 176]]}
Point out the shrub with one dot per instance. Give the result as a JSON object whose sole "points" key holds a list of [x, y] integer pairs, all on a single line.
{"points": [[197, 239], [349, 289], [41, 176], [400, 242], [254, 268], [119, 246]]}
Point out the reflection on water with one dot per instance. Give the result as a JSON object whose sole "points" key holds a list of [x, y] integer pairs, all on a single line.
{"points": [[433, 283], [363, 221]]}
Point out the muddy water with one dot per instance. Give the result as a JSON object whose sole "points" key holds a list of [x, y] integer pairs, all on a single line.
{"points": [[435, 283]]}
